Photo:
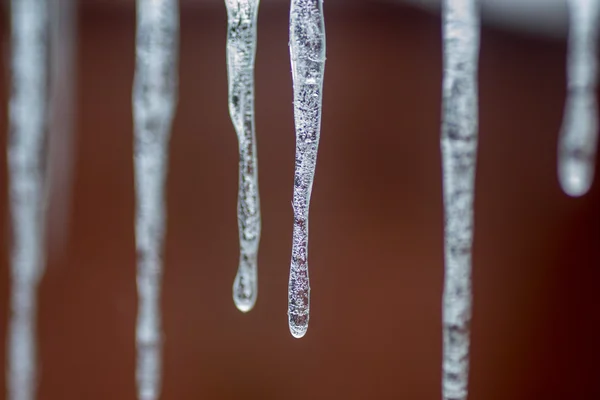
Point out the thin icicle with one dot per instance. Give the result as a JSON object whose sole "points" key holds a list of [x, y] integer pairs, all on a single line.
{"points": [[154, 103], [61, 149], [26, 165], [241, 49], [460, 32], [579, 132], [307, 53]]}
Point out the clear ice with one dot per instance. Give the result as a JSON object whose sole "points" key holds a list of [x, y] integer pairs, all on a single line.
{"points": [[460, 33], [241, 50], [154, 103], [307, 53], [26, 171], [579, 133]]}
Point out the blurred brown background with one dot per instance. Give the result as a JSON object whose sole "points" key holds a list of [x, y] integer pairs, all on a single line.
{"points": [[376, 223]]}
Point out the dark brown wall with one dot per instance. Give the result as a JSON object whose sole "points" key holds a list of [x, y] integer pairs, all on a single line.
{"points": [[376, 224]]}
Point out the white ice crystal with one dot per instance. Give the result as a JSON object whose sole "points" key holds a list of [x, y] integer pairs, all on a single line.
{"points": [[27, 125], [460, 32], [154, 103]]}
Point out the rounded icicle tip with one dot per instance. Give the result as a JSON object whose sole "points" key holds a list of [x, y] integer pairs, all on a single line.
{"points": [[577, 143], [298, 325], [244, 305], [576, 176], [245, 290]]}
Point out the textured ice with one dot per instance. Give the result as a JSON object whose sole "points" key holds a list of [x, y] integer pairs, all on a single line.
{"points": [[154, 103], [460, 32], [26, 170], [241, 49], [579, 132], [307, 53]]}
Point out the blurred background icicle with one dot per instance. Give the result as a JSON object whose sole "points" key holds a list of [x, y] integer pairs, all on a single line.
{"points": [[154, 103], [63, 111], [579, 133], [460, 32], [27, 203], [307, 54], [241, 51]]}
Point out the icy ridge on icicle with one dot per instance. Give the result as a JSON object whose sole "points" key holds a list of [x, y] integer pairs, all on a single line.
{"points": [[307, 53], [579, 132], [154, 103], [459, 150], [241, 50], [26, 170]]}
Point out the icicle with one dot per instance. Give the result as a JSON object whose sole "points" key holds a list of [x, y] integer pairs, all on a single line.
{"points": [[307, 53], [154, 103], [27, 124], [579, 132], [241, 49], [61, 149], [459, 150]]}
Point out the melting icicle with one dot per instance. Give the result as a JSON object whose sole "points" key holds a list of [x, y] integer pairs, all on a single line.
{"points": [[307, 53], [27, 124], [241, 49], [459, 150], [154, 102], [579, 132]]}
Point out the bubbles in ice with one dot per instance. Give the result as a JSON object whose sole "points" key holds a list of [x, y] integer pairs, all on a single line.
{"points": [[241, 50], [307, 53]]}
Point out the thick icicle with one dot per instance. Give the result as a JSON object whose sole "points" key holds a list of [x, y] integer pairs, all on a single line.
{"points": [[579, 132], [460, 32], [307, 53], [154, 103], [241, 49], [26, 170]]}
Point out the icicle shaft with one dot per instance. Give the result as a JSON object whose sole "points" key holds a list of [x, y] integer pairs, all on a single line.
{"points": [[154, 103], [241, 50], [61, 149], [307, 53], [27, 124], [459, 150], [579, 132]]}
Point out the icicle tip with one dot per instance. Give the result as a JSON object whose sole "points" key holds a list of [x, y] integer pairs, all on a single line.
{"points": [[245, 288], [575, 176], [244, 305], [298, 325]]}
